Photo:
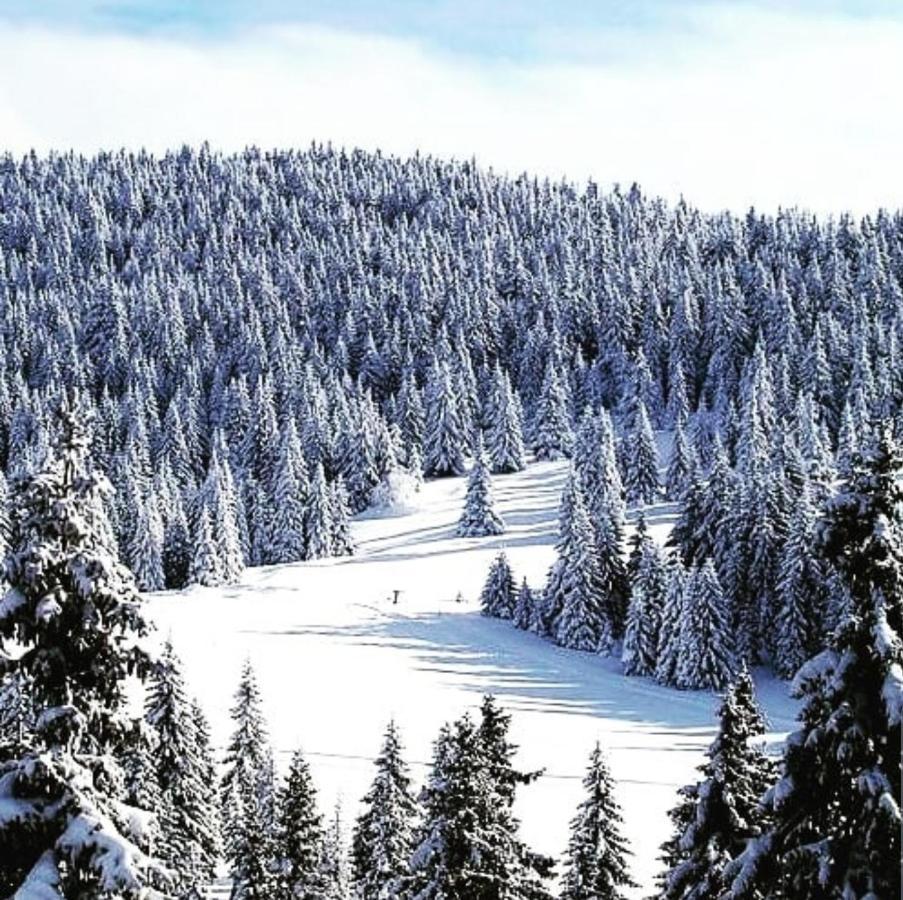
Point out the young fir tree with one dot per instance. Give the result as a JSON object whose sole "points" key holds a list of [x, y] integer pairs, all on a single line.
{"points": [[801, 592], [615, 586], [247, 794], [75, 616], [318, 526], [340, 516], [445, 436], [498, 596], [575, 589], [189, 822], [668, 653], [527, 608], [468, 845], [299, 837], [640, 460], [596, 860], [706, 648], [334, 865], [681, 465], [835, 829], [286, 541], [505, 441], [716, 817], [552, 434], [644, 616], [479, 517], [383, 836]]}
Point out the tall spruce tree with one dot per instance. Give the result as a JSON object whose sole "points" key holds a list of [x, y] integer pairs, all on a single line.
{"points": [[505, 440], [706, 646], [445, 435], [75, 616], [644, 616], [836, 820], [189, 822], [596, 865], [248, 797], [718, 816], [299, 836], [383, 836]]}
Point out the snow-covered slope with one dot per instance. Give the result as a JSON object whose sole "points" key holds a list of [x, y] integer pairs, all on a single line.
{"points": [[336, 659]]}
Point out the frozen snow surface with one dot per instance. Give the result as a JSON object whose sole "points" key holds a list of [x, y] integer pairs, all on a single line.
{"points": [[336, 659]]}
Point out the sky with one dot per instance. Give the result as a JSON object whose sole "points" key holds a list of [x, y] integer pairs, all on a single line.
{"points": [[729, 104]]}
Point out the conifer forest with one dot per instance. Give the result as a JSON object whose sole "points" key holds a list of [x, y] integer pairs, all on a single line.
{"points": [[388, 527]]}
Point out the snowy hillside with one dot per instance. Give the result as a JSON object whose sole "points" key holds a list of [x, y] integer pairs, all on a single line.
{"points": [[336, 659]]}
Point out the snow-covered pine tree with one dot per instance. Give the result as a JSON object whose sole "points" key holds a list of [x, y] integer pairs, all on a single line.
{"points": [[640, 460], [644, 615], [144, 550], [668, 653], [681, 465], [497, 598], [287, 496], [505, 441], [717, 816], [75, 616], [248, 794], [299, 836], [615, 586], [706, 658], [342, 540], [383, 836], [596, 458], [467, 845], [596, 866], [836, 821], [318, 525], [575, 600], [801, 592], [479, 517], [445, 436], [335, 867], [552, 434], [188, 839], [527, 608]]}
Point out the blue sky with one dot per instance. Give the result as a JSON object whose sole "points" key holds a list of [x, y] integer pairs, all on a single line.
{"points": [[729, 103]]}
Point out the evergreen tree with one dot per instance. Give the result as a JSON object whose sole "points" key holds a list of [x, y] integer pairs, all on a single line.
{"points": [[527, 608], [498, 596], [552, 434], [836, 819], [596, 860], [299, 844], [189, 839], [334, 865], [681, 465], [505, 441], [647, 600], [383, 834], [716, 817], [318, 525], [342, 540], [75, 615], [706, 650], [287, 541], [641, 460], [668, 654], [479, 517], [248, 798], [575, 590], [445, 435]]}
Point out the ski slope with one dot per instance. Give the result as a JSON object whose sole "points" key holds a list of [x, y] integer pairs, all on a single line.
{"points": [[336, 659]]}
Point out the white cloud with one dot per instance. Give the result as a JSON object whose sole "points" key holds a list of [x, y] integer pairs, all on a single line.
{"points": [[735, 107]]}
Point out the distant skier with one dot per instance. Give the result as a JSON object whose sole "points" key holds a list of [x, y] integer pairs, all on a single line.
{"points": [[459, 598], [396, 592]]}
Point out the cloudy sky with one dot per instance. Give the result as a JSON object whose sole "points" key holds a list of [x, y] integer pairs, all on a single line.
{"points": [[730, 104]]}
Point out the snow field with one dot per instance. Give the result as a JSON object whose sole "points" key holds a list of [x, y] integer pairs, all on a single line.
{"points": [[336, 659]]}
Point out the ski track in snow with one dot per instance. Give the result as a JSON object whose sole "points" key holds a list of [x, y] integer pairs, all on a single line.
{"points": [[336, 659]]}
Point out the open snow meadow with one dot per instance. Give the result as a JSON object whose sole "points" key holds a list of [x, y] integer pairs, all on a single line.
{"points": [[336, 659]]}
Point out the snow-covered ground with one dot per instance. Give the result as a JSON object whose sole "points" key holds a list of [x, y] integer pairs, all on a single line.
{"points": [[336, 659]]}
